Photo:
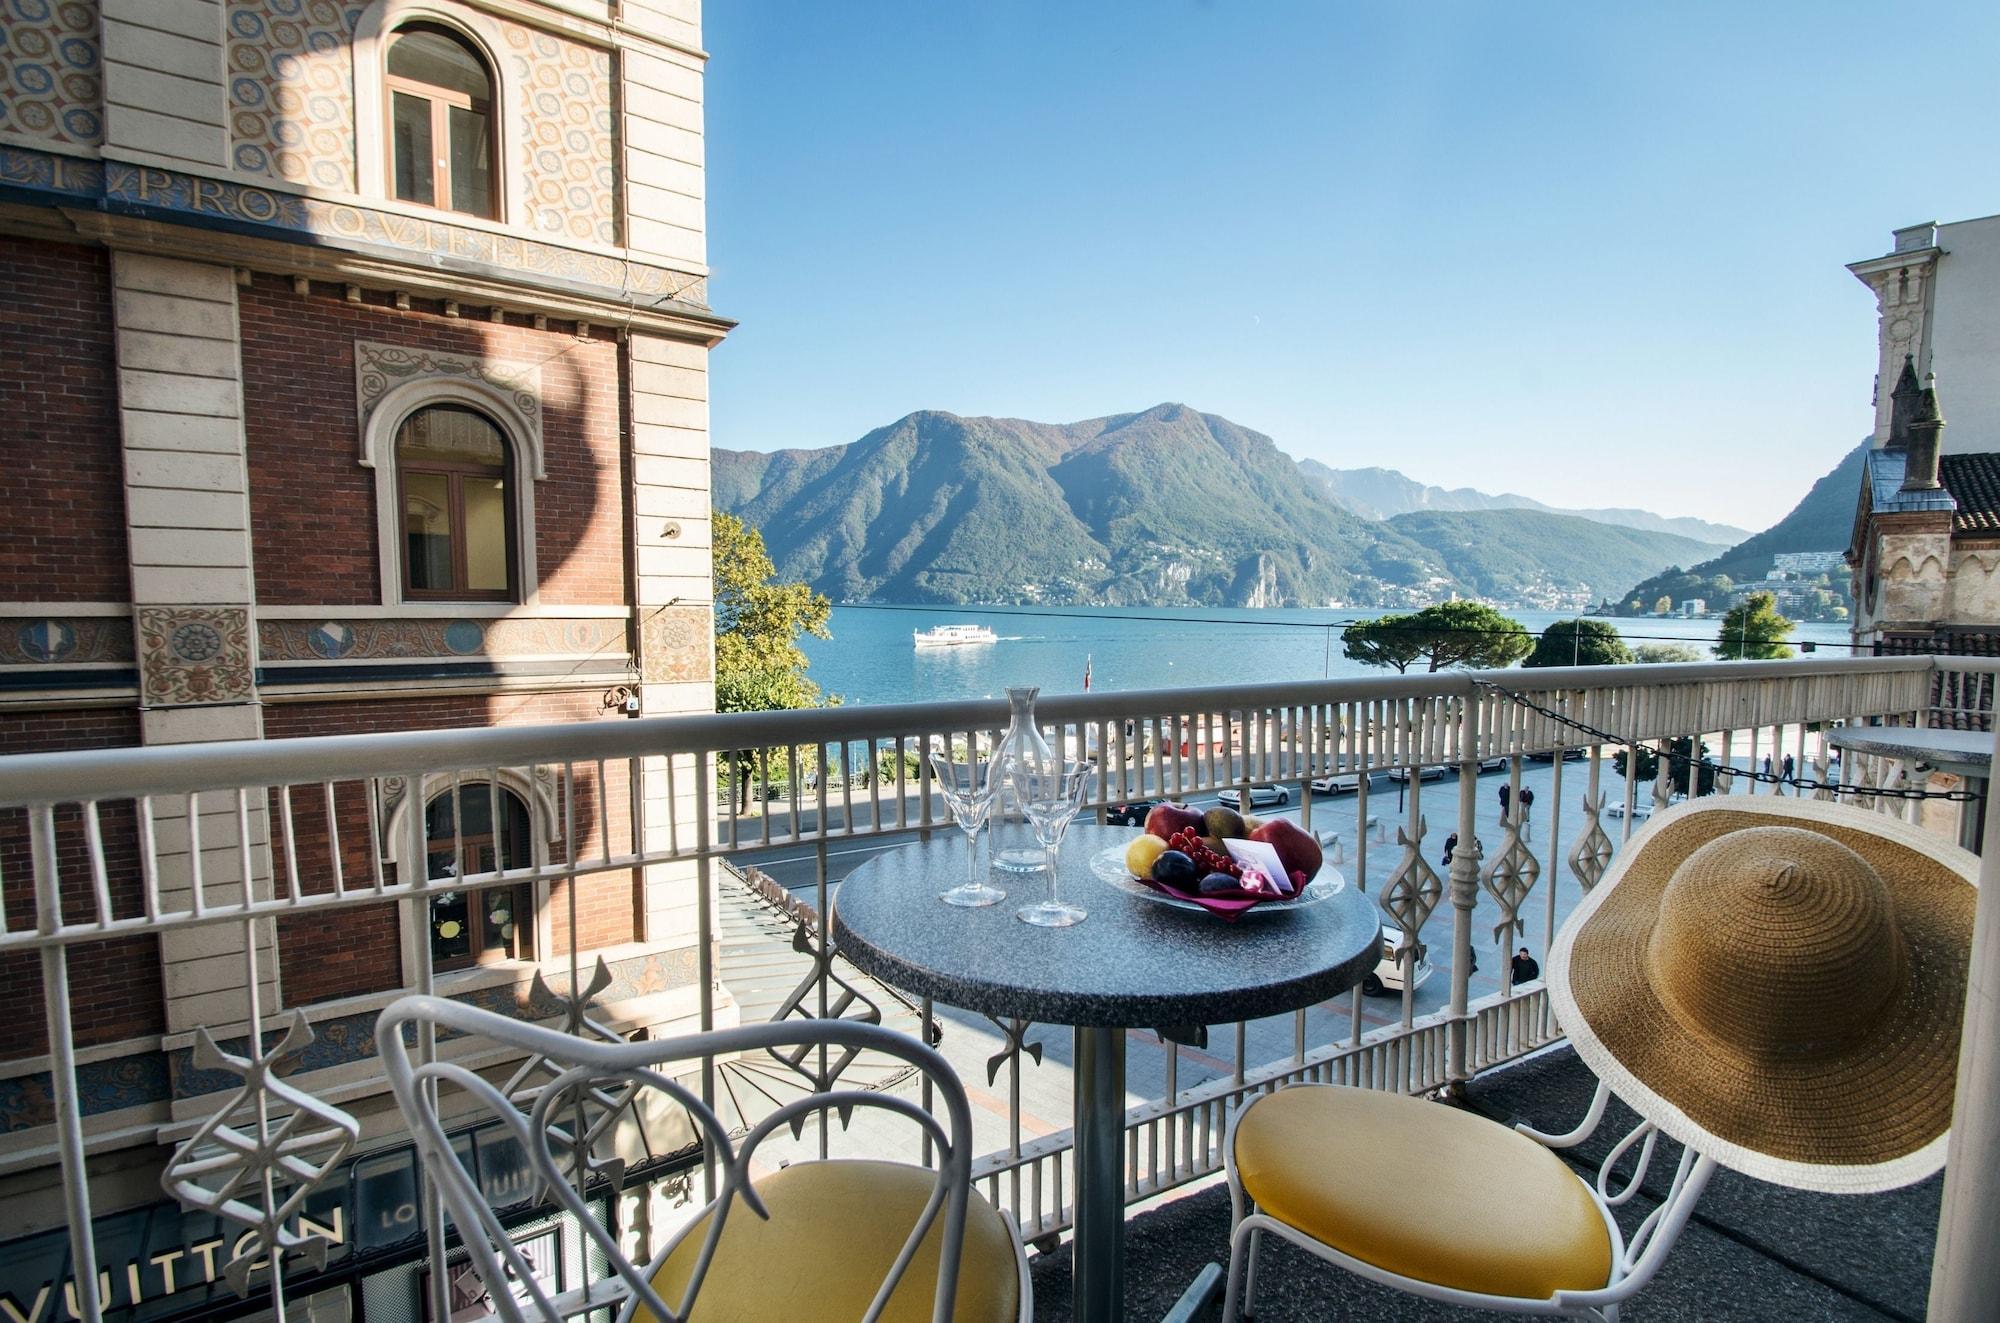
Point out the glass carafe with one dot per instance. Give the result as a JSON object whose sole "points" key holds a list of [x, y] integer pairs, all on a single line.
{"points": [[1015, 848]]}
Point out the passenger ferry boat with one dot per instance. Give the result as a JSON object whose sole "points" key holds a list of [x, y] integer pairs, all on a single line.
{"points": [[953, 636]]}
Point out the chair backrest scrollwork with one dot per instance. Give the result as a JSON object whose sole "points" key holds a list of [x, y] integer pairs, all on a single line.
{"points": [[610, 1074]]}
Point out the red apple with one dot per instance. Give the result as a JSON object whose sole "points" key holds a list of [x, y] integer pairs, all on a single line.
{"points": [[1297, 850], [1168, 819]]}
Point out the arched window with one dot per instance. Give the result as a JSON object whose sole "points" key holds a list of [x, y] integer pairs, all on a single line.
{"points": [[440, 121], [453, 473], [463, 836]]}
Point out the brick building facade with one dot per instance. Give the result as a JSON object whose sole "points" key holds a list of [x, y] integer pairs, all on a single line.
{"points": [[356, 382]]}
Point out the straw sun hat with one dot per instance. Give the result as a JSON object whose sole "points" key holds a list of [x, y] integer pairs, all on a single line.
{"points": [[1778, 983]]}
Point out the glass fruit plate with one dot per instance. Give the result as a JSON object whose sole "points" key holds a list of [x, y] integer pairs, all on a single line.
{"points": [[1109, 864]]}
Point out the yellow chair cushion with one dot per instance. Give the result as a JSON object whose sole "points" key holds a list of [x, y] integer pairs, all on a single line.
{"points": [[1423, 1190], [834, 1232]]}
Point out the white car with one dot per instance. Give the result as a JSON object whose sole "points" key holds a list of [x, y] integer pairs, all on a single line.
{"points": [[1346, 783], [1261, 796], [1387, 976], [1435, 772]]}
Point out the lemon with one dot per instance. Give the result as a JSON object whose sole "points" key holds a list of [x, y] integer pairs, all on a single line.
{"points": [[1141, 853]]}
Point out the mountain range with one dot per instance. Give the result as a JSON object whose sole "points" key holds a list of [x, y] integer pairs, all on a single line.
{"points": [[1822, 521], [1376, 493], [1169, 507]]}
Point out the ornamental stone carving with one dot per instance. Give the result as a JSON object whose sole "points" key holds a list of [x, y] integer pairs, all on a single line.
{"points": [[384, 376], [193, 655], [675, 645], [1913, 579]]}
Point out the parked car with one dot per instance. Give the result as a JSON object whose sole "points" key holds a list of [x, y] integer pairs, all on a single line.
{"points": [[1387, 976], [1569, 756], [1261, 796], [1492, 765], [1132, 814], [1346, 783], [1435, 772]]}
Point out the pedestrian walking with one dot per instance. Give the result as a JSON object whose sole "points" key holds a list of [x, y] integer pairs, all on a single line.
{"points": [[1450, 844], [1525, 968], [1527, 812], [1790, 767], [1506, 799]]}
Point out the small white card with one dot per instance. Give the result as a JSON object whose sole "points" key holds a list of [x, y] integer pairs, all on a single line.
{"points": [[1262, 856]]}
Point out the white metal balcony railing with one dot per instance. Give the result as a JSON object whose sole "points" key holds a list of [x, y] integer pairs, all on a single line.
{"points": [[158, 843]]}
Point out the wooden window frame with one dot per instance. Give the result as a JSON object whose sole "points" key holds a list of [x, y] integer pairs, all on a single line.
{"points": [[441, 100], [484, 949], [455, 475]]}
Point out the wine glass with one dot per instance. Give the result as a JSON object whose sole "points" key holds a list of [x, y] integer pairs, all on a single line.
{"points": [[968, 791], [1051, 793]]}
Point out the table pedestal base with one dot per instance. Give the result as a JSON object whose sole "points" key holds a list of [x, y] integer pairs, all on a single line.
{"points": [[1098, 1263]]}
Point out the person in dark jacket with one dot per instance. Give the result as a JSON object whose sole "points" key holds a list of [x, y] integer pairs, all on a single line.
{"points": [[1525, 968]]}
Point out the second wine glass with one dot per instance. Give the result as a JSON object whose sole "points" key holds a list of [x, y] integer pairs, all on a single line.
{"points": [[1051, 793], [968, 790]]}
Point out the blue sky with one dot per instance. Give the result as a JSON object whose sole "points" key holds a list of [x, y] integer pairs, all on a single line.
{"points": [[1591, 252]]}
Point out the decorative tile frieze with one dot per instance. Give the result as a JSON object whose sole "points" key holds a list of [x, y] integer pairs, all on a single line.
{"points": [[676, 645], [374, 639], [152, 191], [190, 655], [566, 160], [112, 1085], [65, 641], [291, 89], [51, 81]]}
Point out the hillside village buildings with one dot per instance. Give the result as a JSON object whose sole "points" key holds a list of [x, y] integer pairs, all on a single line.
{"points": [[357, 383], [1925, 554]]}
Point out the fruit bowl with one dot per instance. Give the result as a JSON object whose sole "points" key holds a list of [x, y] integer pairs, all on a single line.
{"points": [[1109, 865], [1219, 862]]}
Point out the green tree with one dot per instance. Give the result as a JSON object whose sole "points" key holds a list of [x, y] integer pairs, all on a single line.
{"points": [[1468, 634], [1580, 643], [1683, 760], [1383, 641], [759, 666], [1754, 631], [1657, 653]]}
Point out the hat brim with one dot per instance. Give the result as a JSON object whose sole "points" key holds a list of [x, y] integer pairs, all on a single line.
{"points": [[1873, 1117]]}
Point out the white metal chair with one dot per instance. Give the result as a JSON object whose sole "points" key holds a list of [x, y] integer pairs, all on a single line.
{"points": [[1445, 1204], [827, 1239]]}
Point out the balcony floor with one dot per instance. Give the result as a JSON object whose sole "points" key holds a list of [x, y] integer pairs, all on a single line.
{"points": [[1753, 1251]]}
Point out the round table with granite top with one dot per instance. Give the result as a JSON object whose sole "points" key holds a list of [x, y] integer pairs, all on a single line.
{"points": [[1132, 964]]}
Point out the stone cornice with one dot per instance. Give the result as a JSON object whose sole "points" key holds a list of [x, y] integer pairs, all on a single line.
{"points": [[180, 215], [1876, 266]]}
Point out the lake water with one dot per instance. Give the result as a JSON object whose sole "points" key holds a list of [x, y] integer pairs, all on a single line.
{"points": [[870, 658]]}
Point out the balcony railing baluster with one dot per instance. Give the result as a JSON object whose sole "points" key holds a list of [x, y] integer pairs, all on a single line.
{"points": [[1179, 744]]}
